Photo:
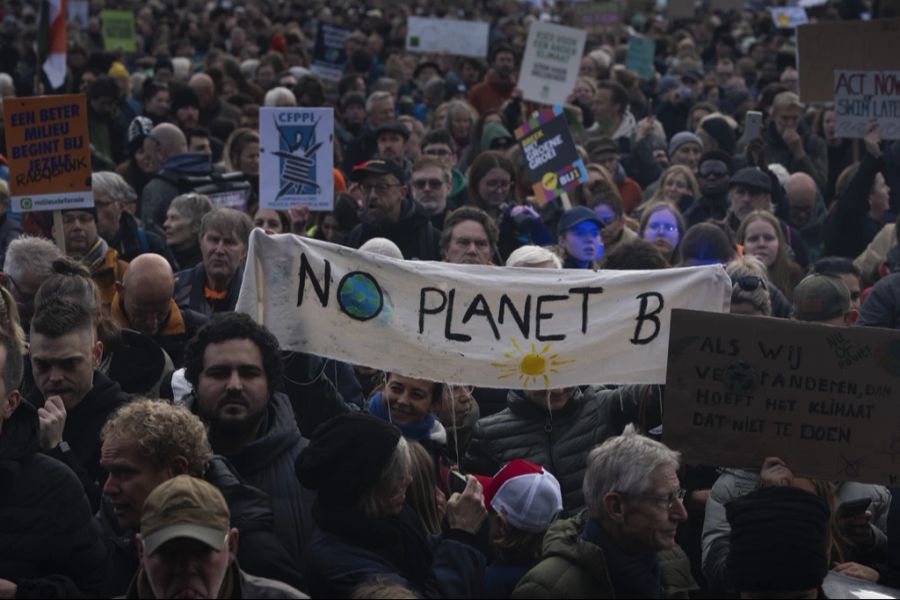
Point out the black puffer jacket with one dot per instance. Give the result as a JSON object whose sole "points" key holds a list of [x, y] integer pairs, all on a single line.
{"points": [[413, 233], [558, 441], [49, 546]]}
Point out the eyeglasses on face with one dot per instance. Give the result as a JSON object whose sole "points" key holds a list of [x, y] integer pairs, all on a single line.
{"points": [[498, 185], [380, 188], [421, 184], [668, 501]]}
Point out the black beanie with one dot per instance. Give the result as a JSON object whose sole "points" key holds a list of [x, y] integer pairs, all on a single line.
{"points": [[721, 131], [346, 455], [779, 539], [182, 95]]}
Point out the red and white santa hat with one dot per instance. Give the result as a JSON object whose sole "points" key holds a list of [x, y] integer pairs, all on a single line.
{"points": [[527, 495]]}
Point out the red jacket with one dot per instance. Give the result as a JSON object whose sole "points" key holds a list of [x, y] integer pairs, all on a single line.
{"points": [[491, 93]]}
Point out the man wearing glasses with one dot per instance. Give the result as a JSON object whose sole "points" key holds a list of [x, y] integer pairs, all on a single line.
{"points": [[439, 144], [431, 188], [388, 211], [623, 546]]}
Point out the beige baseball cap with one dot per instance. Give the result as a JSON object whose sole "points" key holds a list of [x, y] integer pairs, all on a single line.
{"points": [[185, 507]]}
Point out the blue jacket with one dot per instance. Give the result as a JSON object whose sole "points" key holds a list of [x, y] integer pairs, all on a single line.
{"points": [[189, 294]]}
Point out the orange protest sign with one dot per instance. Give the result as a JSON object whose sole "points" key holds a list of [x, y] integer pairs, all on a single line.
{"points": [[48, 152]]}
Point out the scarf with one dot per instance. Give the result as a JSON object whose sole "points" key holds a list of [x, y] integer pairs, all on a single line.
{"points": [[632, 575], [417, 432], [399, 539], [94, 258]]}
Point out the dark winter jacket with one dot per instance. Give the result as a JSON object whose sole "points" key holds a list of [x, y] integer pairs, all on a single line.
{"points": [[362, 148], [342, 557], [163, 188], [132, 240], [413, 233], [311, 383], [268, 464], [189, 293], [848, 227], [243, 585], [136, 362], [82, 432], [882, 307], [559, 442], [49, 546], [260, 552], [573, 567]]}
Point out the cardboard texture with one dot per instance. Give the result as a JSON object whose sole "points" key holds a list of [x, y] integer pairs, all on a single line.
{"points": [[824, 48], [551, 62], [861, 96], [48, 152], [824, 399]]}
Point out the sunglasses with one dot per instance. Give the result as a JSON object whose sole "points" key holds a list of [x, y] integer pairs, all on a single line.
{"points": [[748, 283]]}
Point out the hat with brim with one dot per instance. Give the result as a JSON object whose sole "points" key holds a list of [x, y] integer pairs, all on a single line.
{"points": [[752, 177], [395, 127], [377, 166], [576, 215], [214, 538]]}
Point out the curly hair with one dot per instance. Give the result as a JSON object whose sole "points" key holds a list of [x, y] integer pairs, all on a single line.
{"points": [[223, 327], [164, 432]]}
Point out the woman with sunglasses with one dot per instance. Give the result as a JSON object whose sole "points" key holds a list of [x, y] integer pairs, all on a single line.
{"points": [[761, 235], [663, 225]]}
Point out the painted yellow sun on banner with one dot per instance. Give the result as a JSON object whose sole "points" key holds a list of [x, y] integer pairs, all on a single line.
{"points": [[532, 367]]}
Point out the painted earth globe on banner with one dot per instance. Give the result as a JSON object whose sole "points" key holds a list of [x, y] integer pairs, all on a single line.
{"points": [[360, 296]]}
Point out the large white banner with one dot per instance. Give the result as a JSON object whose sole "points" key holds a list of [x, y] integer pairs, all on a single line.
{"points": [[456, 38], [496, 327], [296, 156]]}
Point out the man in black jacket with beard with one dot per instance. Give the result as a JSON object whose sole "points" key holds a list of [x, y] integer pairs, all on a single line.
{"points": [[389, 212], [73, 399], [49, 547], [234, 366]]}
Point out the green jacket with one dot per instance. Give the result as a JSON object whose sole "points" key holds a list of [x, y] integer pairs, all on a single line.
{"points": [[572, 567]]}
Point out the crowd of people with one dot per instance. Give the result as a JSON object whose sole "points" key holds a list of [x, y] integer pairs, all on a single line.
{"points": [[156, 443]]}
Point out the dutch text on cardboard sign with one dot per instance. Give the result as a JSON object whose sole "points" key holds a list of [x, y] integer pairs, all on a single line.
{"points": [[861, 97], [739, 389], [467, 324], [48, 152]]}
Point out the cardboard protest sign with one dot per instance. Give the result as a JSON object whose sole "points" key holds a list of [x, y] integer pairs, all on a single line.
{"points": [[639, 59], [788, 17], [48, 152], [861, 96], [551, 62], [554, 165], [328, 51], [456, 38], [296, 157], [488, 326], [864, 46], [118, 30], [824, 399], [681, 9], [597, 16]]}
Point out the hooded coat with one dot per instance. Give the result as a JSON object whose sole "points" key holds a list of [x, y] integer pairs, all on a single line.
{"points": [[163, 188], [49, 546]]}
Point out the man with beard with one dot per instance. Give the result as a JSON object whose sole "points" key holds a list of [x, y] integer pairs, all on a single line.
{"points": [[713, 173], [431, 187], [469, 238], [499, 82], [235, 368], [580, 244]]}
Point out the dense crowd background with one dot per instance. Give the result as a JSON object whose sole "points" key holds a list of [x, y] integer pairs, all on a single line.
{"points": [[154, 443]]}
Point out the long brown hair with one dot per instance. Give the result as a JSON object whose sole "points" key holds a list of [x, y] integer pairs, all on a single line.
{"points": [[420, 494], [780, 270]]}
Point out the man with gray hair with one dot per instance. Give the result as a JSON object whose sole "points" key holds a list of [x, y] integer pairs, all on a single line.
{"points": [[177, 166], [28, 263], [380, 111], [623, 546]]}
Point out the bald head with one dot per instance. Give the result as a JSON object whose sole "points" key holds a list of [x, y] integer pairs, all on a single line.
{"points": [[170, 141], [801, 193], [146, 293], [204, 87]]}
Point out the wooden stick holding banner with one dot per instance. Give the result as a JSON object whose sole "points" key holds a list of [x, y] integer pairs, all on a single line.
{"points": [[59, 236]]}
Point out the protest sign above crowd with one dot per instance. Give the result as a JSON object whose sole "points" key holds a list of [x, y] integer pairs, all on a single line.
{"points": [[508, 299]]}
